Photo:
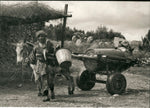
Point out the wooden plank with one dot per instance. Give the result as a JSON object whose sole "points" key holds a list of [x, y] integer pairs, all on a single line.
{"points": [[64, 26]]}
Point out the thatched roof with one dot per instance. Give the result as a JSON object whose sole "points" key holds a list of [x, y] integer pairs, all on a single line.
{"points": [[27, 13]]}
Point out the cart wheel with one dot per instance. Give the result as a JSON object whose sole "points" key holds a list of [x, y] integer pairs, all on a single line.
{"points": [[116, 84], [85, 80]]}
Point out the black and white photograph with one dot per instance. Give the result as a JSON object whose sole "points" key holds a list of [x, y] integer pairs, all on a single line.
{"points": [[75, 54]]}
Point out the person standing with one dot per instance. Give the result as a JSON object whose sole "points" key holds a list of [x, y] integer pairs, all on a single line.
{"points": [[38, 56]]}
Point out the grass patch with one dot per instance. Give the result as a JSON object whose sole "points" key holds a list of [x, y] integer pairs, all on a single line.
{"points": [[144, 70]]}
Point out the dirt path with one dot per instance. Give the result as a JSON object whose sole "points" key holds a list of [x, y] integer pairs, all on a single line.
{"points": [[137, 95]]}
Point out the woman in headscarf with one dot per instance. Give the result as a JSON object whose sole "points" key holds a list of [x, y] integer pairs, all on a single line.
{"points": [[42, 51]]}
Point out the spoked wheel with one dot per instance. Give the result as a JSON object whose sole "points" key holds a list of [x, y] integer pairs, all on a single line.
{"points": [[116, 84], [85, 80]]}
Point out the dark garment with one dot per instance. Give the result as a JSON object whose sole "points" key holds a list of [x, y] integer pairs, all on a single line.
{"points": [[38, 53], [40, 57]]}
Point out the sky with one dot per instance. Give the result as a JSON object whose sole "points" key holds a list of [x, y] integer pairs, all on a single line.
{"points": [[132, 19]]}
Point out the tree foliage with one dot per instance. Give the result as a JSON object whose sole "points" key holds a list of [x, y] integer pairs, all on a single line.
{"points": [[145, 42], [55, 33]]}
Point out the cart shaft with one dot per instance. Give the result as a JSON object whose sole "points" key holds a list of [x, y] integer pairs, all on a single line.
{"points": [[99, 81]]}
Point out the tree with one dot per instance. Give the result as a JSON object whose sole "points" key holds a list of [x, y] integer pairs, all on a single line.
{"points": [[90, 33], [55, 33], [101, 32], [148, 35], [145, 42]]}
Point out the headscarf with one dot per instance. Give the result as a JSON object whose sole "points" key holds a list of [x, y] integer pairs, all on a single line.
{"points": [[41, 32]]}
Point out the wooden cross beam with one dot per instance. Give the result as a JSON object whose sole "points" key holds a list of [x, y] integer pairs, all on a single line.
{"points": [[64, 25]]}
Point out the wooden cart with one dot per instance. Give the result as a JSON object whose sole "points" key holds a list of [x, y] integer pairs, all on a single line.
{"points": [[109, 62]]}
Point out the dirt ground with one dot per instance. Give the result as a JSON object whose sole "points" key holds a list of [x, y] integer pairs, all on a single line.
{"points": [[137, 95]]}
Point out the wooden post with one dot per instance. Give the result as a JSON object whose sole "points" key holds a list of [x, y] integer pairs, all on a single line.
{"points": [[64, 26]]}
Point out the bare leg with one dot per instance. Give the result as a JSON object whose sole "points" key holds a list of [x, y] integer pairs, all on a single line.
{"points": [[66, 73], [50, 82], [44, 85], [39, 86]]}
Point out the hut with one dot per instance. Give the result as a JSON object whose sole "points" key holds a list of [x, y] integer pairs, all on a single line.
{"points": [[23, 15], [29, 13]]}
